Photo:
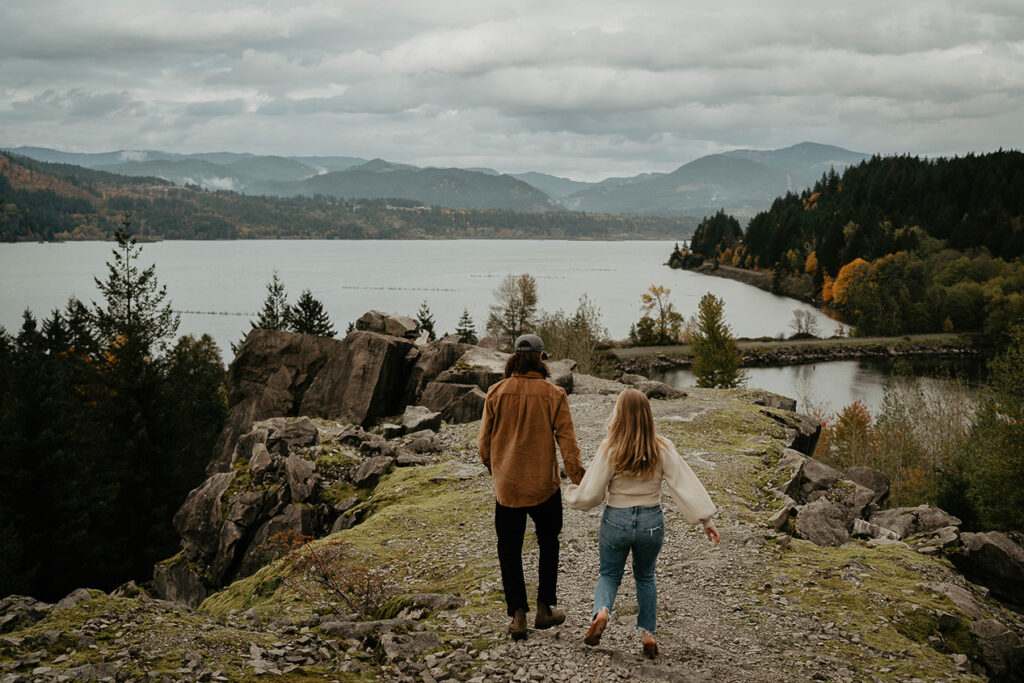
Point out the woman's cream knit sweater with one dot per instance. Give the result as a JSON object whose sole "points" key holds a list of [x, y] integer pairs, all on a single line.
{"points": [[623, 491]]}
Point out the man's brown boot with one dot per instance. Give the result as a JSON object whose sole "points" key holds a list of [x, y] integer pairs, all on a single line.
{"points": [[548, 616], [518, 626]]}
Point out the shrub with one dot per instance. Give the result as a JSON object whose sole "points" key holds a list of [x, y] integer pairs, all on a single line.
{"points": [[332, 577]]}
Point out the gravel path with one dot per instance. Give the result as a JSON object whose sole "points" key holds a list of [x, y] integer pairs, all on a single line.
{"points": [[717, 620]]}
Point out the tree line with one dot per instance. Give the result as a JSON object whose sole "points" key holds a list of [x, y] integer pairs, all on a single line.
{"points": [[898, 244], [107, 422], [161, 210]]}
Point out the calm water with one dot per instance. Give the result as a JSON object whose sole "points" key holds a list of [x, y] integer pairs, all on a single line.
{"points": [[831, 386], [351, 277]]}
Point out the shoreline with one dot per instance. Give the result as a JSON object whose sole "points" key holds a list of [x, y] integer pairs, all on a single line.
{"points": [[805, 352]]}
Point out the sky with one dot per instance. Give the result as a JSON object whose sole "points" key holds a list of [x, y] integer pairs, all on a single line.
{"points": [[585, 90]]}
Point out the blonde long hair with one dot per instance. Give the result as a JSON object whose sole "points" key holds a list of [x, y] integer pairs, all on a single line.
{"points": [[633, 446]]}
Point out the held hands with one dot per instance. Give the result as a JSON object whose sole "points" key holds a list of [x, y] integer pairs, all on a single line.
{"points": [[713, 536]]}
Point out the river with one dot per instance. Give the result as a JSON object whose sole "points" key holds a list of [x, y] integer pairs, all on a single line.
{"points": [[219, 286]]}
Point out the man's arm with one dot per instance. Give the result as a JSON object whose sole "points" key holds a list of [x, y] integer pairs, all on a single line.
{"points": [[565, 435], [483, 440]]}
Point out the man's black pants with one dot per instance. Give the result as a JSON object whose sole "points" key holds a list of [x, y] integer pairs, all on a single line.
{"points": [[510, 525]]}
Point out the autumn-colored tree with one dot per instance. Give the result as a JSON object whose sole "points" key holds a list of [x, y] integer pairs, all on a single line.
{"points": [[660, 323], [811, 264], [847, 279], [826, 289], [514, 311]]}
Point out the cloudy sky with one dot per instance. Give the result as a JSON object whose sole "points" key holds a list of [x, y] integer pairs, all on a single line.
{"points": [[583, 89]]}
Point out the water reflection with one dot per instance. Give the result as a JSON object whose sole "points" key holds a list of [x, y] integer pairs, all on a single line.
{"points": [[828, 387]]}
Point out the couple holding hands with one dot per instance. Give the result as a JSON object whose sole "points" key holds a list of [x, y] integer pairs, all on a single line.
{"points": [[523, 417]]}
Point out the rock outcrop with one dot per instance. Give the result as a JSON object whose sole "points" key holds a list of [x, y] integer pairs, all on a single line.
{"points": [[364, 380], [269, 377], [994, 560], [297, 476]]}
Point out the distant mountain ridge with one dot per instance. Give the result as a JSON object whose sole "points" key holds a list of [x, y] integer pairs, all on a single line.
{"points": [[742, 182]]}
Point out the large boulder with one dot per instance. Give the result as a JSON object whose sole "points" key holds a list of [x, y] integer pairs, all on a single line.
{"points": [[802, 430], [588, 384], [870, 478], [364, 380], [823, 522], [200, 517], [1001, 650], [268, 378], [560, 373], [389, 323], [177, 580], [655, 389], [807, 476], [759, 397], [478, 366], [416, 418], [302, 478], [915, 520], [457, 403], [993, 560], [433, 359]]}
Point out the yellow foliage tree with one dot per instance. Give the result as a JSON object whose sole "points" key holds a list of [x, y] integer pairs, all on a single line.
{"points": [[726, 256], [811, 265], [826, 290], [848, 276]]}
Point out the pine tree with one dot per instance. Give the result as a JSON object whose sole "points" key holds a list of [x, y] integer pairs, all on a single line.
{"points": [[426, 320], [716, 356], [307, 316], [466, 328], [135, 310], [275, 311]]}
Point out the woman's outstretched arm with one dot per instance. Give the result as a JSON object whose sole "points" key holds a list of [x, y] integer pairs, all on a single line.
{"points": [[591, 490]]}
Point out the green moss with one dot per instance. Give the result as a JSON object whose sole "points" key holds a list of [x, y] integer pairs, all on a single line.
{"points": [[874, 592], [411, 517], [340, 491]]}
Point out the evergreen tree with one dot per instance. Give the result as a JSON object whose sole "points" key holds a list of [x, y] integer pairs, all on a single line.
{"points": [[716, 357], [275, 311], [466, 328], [994, 466], [134, 307], [426, 320], [307, 316]]}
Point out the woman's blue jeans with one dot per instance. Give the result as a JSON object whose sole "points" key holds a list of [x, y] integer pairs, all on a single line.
{"points": [[640, 530]]}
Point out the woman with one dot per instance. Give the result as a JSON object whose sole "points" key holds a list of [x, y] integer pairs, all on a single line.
{"points": [[630, 465]]}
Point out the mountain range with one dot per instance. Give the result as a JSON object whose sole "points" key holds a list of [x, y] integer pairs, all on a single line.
{"points": [[742, 182]]}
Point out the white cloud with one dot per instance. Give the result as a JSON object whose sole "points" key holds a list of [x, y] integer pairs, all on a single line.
{"points": [[581, 88]]}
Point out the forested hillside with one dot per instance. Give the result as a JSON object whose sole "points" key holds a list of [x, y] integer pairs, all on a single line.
{"points": [[900, 244], [44, 201]]}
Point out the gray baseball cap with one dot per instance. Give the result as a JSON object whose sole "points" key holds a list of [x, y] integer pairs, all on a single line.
{"points": [[529, 342]]}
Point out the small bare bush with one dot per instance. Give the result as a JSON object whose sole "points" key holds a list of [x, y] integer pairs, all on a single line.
{"points": [[332, 577]]}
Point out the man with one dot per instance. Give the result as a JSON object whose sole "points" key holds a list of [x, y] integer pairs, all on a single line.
{"points": [[523, 417]]}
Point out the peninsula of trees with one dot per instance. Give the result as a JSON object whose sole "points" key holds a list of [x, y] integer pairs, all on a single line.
{"points": [[898, 244]]}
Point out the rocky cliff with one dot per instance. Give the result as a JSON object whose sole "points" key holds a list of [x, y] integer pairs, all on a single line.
{"points": [[814, 579]]}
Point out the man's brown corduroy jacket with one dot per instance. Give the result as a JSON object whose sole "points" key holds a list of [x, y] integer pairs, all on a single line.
{"points": [[523, 416]]}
